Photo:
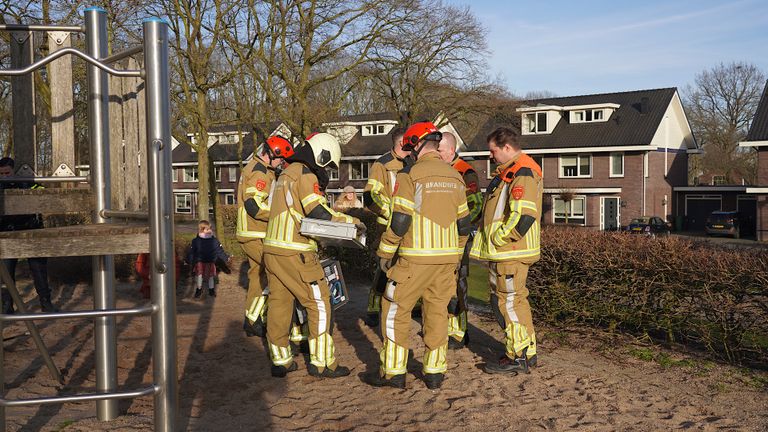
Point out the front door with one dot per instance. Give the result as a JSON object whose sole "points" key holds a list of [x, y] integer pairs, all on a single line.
{"points": [[610, 213]]}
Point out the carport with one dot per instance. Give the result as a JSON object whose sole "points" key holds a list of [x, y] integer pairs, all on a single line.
{"points": [[696, 203]]}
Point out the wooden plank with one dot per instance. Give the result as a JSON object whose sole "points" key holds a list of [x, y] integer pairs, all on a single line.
{"points": [[23, 100], [44, 201], [133, 166], [80, 240], [116, 154], [62, 105]]}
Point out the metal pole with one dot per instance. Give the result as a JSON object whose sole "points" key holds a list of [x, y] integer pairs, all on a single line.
{"points": [[40, 27], [103, 266], [161, 225]]}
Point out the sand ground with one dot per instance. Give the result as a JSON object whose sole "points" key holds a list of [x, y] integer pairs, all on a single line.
{"points": [[587, 380]]}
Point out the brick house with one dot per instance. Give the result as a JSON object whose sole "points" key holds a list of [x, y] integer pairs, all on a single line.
{"points": [[364, 138], [223, 150], [757, 138], [617, 156]]}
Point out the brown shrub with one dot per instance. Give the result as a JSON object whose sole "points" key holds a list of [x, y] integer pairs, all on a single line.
{"points": [[669, 288]]}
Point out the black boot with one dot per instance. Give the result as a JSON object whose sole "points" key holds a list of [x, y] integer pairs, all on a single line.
{"points": [[456, 344], [47, 306], [506, 365], [198, 292], [376, 380], [256, 329], [340, 371], [282, 371], [433, 381], [211, 292]]}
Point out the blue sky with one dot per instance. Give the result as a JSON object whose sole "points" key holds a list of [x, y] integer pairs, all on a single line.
{"points": [[595, 46]]}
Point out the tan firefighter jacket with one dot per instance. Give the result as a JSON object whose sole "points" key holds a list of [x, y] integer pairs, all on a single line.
{"points": [[511, 219], [255, 184], [297, 195], [381, 182], [430, 218]]}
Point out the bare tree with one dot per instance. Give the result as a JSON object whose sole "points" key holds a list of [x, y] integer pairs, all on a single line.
{"points": [[720, 106], [434, 62], [293, 49]]}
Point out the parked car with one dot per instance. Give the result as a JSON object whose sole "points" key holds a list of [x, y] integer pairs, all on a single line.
{"points": [[724, 223], [648, 225]]}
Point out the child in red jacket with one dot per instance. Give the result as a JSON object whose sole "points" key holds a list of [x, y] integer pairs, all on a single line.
{"points": [[143, 269]]}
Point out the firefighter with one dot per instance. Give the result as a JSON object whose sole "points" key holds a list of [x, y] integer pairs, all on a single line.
{"points": [[377, 197], [253, 191], [509, 240], [457, 308], [428, 230], [292, 262]]}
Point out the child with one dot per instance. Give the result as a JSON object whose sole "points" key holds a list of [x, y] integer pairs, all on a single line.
{"points": [[143, 269], [203, 253]]}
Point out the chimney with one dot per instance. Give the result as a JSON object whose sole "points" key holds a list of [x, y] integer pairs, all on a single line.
{"points": [[643, 105]]}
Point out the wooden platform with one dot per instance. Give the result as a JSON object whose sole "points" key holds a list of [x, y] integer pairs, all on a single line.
{"points": [[46, 201], [78, 240]]}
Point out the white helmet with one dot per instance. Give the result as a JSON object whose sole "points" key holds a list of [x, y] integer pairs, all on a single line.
{"points": [[325, 148]]}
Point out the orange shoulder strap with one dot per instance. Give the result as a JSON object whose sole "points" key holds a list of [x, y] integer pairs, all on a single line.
{"points": [[524, 161], [462, 166]]}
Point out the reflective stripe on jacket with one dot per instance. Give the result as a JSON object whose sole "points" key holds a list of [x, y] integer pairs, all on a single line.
{"points": [[430, 196], [256, 182], [295, 195], [516, 190], [381, 184]]}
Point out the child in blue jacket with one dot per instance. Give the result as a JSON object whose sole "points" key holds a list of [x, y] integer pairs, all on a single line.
{"points": [[203, 253]]}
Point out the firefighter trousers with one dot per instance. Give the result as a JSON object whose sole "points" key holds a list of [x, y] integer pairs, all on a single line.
{"points": [[457, 308], [255, 299], [299, 277], [434, 284], [509, 301]]}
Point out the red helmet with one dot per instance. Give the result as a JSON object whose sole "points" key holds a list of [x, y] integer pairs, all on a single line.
{"points": [[279, 147], [422, 131]]}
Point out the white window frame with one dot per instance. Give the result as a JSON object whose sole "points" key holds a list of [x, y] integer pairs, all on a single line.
{"points": [[645, 164], [570, 217], [333, 174], [588, 116], [715, 180], [561, 173], [489, 169], [182, 210], [229, 197], [232, 173], [541, 165], [360, 164], [610, 163], [174, 175], [374, 129], [217, 173], [536, 125], [191, 170]]}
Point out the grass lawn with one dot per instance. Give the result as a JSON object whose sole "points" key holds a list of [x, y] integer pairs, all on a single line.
{"points": [[478, 283]]}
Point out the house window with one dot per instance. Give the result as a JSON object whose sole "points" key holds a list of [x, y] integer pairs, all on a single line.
{"points": [[374, 130], [333, 174], [645, 164], [490, 168], [331, 198], [232, 174], [173, 175], [571, 212], [576, 166], [190, 174], [536, 122], [718, 180], [229, 139], [540, 161], [617, 164], [229, 199], [217, 173], [183, 203], [358, 170], [585, 116]]}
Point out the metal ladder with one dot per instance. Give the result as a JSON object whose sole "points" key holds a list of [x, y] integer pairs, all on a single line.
{"points": [[162, 307]]}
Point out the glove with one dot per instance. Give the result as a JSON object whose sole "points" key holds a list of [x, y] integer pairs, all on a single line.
{"points": [[385, 264]]}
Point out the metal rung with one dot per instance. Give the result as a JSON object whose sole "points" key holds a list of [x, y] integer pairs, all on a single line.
{"points": [[144, 310], [54, 179], [78, 398], [41, 27], [62, 52], [124, 214]]}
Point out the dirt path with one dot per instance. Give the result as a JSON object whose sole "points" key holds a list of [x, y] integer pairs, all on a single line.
{"points": [[583, 381]]}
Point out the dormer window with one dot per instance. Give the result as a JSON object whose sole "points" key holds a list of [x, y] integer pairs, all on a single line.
{"points": [[586, 116], [536, 122], [375, 129]]}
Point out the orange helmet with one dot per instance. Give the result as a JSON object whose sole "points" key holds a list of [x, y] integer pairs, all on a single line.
{"points": [[279, 147], [422, 131]]}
